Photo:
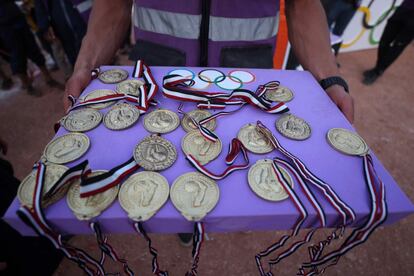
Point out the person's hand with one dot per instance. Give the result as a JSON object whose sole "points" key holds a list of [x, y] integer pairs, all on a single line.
{"points": [[343, 100], [3, 147], [75, 85]]}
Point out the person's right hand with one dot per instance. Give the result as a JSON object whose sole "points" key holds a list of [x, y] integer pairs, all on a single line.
{"points": [[75, 85]]}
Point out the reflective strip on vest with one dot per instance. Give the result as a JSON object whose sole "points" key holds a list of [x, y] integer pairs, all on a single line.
{"points": [[84, 6], [221, 28]]}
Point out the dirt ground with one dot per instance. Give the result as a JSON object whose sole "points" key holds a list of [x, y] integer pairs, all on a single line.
{"points": [[384, 117]]}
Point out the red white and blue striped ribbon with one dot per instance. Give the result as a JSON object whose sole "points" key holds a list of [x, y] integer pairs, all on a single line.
{"points": [[176, 87], [107, 249], [198, 239], [235, 148], [377, 216], [100, 183], [35, 218], [155, 266]]}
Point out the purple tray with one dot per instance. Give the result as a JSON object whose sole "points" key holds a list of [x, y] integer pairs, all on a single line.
{"points": [[238, 209]]}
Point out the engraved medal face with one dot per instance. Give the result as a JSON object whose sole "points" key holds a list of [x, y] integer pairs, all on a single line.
{"points": [[97, 94], [91, 206], [200, 148], [347, 142], [197, 115], [121, 116], [154, 153], [52, 174], [194, 195], [161, 121], [113, 76], [67, 148], [143, 194], [293, 127], [264, 182], [279, 94], [253, 140], [130, 87], [82, 120]]}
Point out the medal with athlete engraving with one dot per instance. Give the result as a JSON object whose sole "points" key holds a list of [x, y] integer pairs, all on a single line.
{"points": [[155, 153], [82, 120], [253, 140], [52, 174], [197, 115], [97, 94], [347, 142], [92, 206], [279, 94], [113, 76], [293, 127], [194, 195], [143, 194], [264, 182], [200, 148], [66, 148], [130, 87], [121, 116], [161, 121]]}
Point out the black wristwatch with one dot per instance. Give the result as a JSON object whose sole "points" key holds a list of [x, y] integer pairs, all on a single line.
{"points": [[328, 82]]}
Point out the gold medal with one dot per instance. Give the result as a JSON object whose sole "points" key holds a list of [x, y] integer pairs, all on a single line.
{"points": [[143, 194], [347, 142], [129, 87], [279, 94], [253, 140], [293, 127], [82, 120], [97, 94], [200, 148], [66, 148], [113, 76], [121, 116], [52, 174], [161, 121], [91, 206], [194, 195], [197, 115], [264, 182], [155, 153]]}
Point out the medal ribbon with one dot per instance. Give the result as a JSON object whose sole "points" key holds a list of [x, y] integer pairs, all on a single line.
{"points": [[198, 239], [103, 182], [35, 218], [155, 267], [235, 148], [107, 249], [176, 87], [377, 216]]}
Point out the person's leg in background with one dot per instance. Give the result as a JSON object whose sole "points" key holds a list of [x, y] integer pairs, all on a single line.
{"points": [[398, 33], [344, 17]]}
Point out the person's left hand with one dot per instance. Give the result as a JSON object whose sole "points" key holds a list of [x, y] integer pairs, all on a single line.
{"points": [[343, 100], [3, 147]]}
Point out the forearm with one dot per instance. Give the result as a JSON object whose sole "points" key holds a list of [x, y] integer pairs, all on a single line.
{"points": [[309, 37], [107, 27]]}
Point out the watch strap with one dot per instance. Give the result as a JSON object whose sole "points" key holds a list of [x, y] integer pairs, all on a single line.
{"points": [[328, 82]]}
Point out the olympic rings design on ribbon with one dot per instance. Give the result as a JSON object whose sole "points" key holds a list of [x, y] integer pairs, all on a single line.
{"points": [[365, 10]]}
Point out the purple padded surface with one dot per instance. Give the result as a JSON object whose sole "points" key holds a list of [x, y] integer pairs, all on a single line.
{"points": [[238, 209]]}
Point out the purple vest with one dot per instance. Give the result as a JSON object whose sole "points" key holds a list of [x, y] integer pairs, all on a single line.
{"points": [[212, 33]]}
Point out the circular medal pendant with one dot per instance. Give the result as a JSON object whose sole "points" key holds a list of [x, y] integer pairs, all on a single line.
{"points": [[253, 140], [197, 115], [82, 120], [143, 194], [347, 142], [293, 127], [113, 76], [161, 121], [155, 153], [264, 182], [130, 87], [121, 116], [194, 195], [92, 206], [97, 94], [66, 148], [52, 174], [279, 94], [200, 148]]}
